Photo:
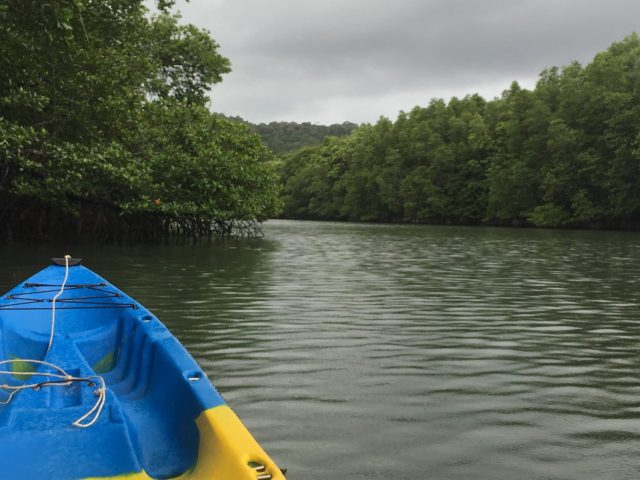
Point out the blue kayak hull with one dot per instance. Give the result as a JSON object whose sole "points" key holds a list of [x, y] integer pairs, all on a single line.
{"points": [[161, 418]]}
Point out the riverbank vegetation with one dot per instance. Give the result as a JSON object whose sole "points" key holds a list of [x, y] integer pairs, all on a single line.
{"points": [[106, 132], [566, 154]]}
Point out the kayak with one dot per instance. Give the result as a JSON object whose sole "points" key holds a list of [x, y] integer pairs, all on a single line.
{"points": [[94, 386]]}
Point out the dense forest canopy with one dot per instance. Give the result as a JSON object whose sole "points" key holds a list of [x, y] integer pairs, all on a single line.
{"points": [[286, 137], [565, 154], [105, 129]]}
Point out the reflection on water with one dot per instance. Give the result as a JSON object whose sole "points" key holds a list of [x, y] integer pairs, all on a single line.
{"points": [[399, 352]]}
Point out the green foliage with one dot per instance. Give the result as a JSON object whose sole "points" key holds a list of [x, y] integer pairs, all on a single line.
{"points": [[104, 125], [286, 137], [430, 165], [204, 166], [563, 155], [187, 66]]}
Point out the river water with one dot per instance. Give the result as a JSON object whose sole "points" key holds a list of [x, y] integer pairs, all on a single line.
{"points": [[405, 352]]}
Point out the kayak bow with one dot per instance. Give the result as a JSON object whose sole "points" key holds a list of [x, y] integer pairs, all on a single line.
{"points": [[101, 389]]}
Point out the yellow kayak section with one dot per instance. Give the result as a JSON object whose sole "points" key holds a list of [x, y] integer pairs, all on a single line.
{"points": [[227, 451]]}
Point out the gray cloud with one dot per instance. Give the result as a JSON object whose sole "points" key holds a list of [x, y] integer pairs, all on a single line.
{"points": [[330, 61]]}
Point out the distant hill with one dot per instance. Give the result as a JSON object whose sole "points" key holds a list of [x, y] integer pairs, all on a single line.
{"points": [[283, 137]]}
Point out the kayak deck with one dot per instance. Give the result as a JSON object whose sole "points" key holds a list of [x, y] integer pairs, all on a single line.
{"points": [[162, 418]]}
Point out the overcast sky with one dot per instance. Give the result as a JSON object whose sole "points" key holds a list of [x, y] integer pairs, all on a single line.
{"points": [[329, 61]]}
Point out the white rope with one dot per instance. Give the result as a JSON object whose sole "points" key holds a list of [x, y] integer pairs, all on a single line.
{"points": [[37, 362], [100, 392], [53, 305]]}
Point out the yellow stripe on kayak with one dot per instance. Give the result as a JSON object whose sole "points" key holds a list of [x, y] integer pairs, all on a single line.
{"points": [[127, 476], [227, 451]]}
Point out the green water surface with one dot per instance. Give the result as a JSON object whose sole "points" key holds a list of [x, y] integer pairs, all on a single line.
{"points": [[405, 353]]}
